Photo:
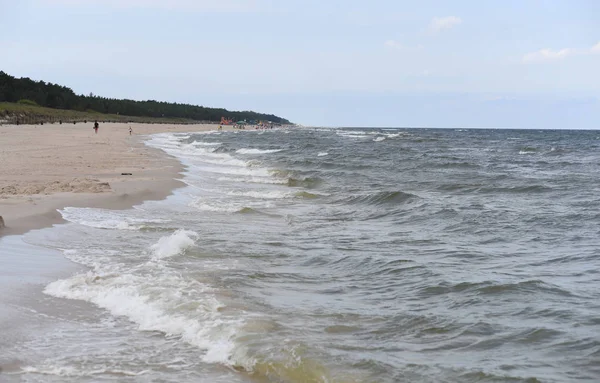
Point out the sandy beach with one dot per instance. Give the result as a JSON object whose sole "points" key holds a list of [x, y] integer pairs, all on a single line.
{"points": [[47, 167]]}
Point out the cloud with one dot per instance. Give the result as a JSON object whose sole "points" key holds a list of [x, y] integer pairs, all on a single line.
{"points": [[393, 44], [440, 23], [547, 54]]}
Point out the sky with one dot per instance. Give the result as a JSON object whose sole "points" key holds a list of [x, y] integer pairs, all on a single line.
{"points": [[511, 63]]}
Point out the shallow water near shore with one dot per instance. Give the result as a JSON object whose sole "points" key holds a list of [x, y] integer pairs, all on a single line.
{"points": [[328, 255]]}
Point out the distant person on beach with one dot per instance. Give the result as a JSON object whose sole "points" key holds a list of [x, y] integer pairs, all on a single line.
{"points": [[96, 126], [130, 131]]}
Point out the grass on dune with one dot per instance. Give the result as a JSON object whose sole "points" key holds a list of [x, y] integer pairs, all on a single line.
{"points": [[26, 113]]}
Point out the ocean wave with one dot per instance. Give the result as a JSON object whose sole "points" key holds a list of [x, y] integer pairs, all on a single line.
{"points": [[247, 210], [517, 189], [280, 173], [480, 376], [73, 372], [203, 205], [459, 187], [347, 132], [305, 194], [261, 194], [174, 244], [254, 179], [227, 206], [109, 219], [354, 135], [257, 151], [307, 182], [291, 364], [556, 152], [216, 167], [144, 300], [202, 143], [381, 198], [458, 165], [526, 150], [212, 159], [495, 288]]}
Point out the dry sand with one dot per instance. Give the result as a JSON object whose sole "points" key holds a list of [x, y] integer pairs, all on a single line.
{"points": [[47, 167]]}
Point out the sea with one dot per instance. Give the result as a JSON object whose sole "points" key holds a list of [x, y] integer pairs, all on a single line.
{"points": [[325, 255]]}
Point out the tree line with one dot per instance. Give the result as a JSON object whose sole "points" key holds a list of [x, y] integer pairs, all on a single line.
{"points": [[55, 96]]}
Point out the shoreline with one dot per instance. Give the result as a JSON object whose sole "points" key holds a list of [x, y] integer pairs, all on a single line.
{"points": [[72, 166], [29, 151]]}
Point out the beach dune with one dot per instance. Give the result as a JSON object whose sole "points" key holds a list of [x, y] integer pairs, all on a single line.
{"points": [[47, 167]]}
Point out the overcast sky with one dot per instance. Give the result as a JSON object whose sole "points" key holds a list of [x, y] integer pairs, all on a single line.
{"points": [[510, 63]]}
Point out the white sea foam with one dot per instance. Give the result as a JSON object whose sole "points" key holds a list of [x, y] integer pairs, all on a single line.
{"points": [[257, 151], [261, 194], [107, 219], [203, 205], [174, 244], [255, 180], [153, 296], [201, 143], [378, 139], [347, 133], [354, 135], [202, 158], [93, 258], [322, 154], [72, 372], [226, 205], [150, 301]]}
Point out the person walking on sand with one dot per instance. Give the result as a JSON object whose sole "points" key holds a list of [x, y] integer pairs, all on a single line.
{"points": [[96, 126], [130, 131]]}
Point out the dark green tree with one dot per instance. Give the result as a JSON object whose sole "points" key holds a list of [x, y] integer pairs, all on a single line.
{"points": [[60, 97]]}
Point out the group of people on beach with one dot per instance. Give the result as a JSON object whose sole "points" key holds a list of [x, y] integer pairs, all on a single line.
{"points": [[243, 127]]}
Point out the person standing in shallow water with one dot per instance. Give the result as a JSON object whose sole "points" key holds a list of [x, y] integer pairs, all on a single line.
{"points": [[96, 126]]}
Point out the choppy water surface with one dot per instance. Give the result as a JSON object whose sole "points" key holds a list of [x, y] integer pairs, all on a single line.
{"points": [[343, 255]]}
